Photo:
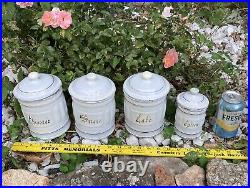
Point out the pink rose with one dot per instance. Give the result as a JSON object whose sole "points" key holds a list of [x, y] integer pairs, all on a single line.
{"points": [[171, 57], [46, 18], [56, 18], [66, 19], [24, 4]]}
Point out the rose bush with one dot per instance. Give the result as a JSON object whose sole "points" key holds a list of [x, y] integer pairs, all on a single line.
{"points": [[111, 39]]}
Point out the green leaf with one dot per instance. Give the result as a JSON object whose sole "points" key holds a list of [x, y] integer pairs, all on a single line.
{"points": [[65, 156], [203, 161], [15, 162], [114, 141], [5, 152], [7, 84], [20, 75], [16, 128], [9, 10], [71, 165], [241, 144], [119, 77], [73, 157], [35, 27], [64, 168], [190, 158], [139, 44], [168, 132], [17, 108], [45, 6], [5, 93], [115, 62], [81, 158]]}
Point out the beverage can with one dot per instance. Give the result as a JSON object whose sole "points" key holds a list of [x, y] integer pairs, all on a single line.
{"points": [[228, 115]]}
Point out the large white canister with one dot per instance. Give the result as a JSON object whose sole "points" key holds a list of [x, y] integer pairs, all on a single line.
{"points": [[190, 113], [43, 105], [93, 106], [145, 103]]}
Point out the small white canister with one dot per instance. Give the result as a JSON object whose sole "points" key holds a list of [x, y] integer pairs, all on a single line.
{"points": [[145, 103], [93, 106], [43, 105], [190, 113]]}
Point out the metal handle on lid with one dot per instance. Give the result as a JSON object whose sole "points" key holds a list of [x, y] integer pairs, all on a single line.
{"points": [[147, 75], [33, 75], [91, 76], [194, 91]]}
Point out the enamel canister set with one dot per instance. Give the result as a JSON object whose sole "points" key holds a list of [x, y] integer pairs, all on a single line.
{"points": [[93, 100]]}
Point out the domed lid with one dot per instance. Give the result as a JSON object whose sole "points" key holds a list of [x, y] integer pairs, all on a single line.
{"points": [[92, 88], [192, 100], [37, 86], [146, 86]]}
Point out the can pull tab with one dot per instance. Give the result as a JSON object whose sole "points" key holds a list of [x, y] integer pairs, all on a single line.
{"points": [[194, 91], [147, 75], [91, 76], [33, 75]]}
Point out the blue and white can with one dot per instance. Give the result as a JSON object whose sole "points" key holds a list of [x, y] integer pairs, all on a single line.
{"points": [[228, 115]]}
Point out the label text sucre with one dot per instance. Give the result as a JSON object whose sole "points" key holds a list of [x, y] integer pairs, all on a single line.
{"points": [[85, 119], [38, 122], [142, 119]]}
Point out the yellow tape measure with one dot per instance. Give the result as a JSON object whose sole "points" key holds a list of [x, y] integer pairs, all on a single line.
{"points": [[125, 150]]}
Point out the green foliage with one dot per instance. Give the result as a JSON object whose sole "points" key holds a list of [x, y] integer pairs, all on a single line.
{"points": [[170, 110], [8, 161], [193, 158], [7, 86], [114, 141], [241, 144], [168, 132], [16, 128], [101, 42], [70, 161], [125, 134]]}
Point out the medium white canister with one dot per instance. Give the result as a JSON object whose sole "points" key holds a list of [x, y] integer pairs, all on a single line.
{"points": [[43, 105], [190, 113], [93, 106], [145, 103]]}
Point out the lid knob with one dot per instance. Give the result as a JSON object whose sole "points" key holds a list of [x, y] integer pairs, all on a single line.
{"points": [[194, 91], [33, 75], [147, 75], [91, 76]]}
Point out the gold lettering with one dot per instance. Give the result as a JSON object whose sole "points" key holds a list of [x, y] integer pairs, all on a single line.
{"points": [[143, 119], [85, 119]]}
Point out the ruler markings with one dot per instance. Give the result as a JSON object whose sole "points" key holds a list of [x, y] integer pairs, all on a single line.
{"points": [[125, 150]]}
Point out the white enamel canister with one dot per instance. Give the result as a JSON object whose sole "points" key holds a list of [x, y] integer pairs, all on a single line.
{"points": [[43, 105], [190, 113], [145, 103], [93, 106]]}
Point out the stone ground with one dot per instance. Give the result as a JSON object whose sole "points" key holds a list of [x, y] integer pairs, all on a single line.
{"points": [[44, 169]]}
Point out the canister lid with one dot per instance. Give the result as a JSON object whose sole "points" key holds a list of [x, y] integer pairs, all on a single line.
{"points": [[37, 86], [192, 100], [146, 86], [92, 88]]}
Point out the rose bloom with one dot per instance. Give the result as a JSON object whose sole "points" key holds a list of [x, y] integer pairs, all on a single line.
{"points": [[24, 4], [66, 19], [56, 18], [47, 18], [171, 57]]}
